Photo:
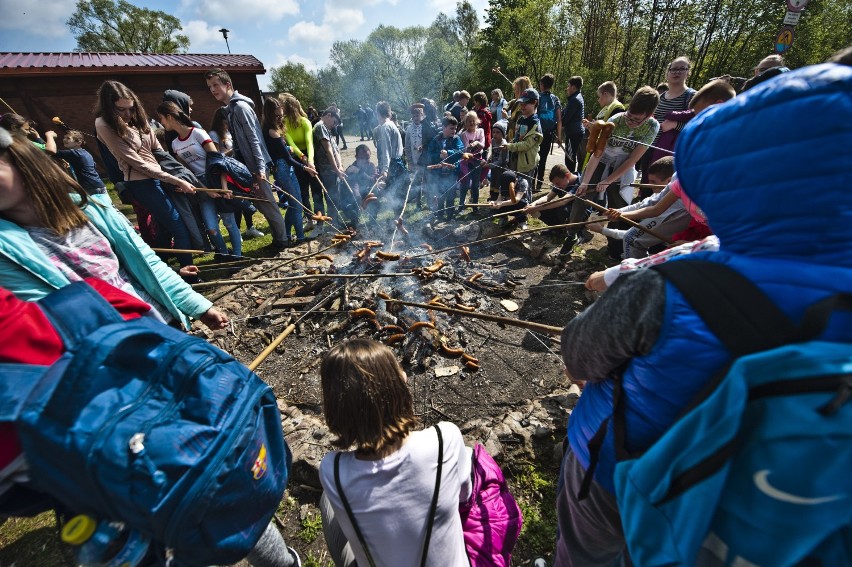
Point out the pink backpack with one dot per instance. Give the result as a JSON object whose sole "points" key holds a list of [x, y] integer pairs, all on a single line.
{"points": [[491, 519]]}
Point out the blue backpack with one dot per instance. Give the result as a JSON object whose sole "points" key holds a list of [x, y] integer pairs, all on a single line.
{"points": [[142, 423], [547, 112], [758, 470]]}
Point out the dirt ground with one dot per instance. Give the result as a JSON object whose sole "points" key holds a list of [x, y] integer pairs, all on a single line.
{"points": [[516, 365]]}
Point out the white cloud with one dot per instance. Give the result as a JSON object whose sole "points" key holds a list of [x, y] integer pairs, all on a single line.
{"points": [[204, 36], [281, 59], [339, 21], [309, 33], [43, 18], [343, 20], [243, 10]]}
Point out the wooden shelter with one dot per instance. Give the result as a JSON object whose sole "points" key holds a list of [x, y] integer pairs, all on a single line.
{"points": [[43, 85]]}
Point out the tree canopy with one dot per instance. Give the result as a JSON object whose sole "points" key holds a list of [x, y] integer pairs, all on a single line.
{"points": [[630, 42], [118, 25]]}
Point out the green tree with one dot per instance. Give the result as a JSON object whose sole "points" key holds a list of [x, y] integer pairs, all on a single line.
{"points": [[295, 79], [110, 25]]}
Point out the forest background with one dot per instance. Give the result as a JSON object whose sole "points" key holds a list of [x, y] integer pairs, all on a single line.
{"points": [[628, 41]]}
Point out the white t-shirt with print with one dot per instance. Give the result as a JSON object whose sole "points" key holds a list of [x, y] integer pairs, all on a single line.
{"points": [[191, 151]]}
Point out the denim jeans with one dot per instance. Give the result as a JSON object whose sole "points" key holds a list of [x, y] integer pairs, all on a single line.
{"points": [[150, 194], [285, 178], [210, 217]]}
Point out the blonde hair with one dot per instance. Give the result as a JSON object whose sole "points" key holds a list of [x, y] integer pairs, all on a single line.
{"points": [[365, 399], [471, 116], [48, 186], [292, 109]]}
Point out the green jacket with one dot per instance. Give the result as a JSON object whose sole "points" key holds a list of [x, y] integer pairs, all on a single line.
{"points": [[28, 273], [527, 150]]}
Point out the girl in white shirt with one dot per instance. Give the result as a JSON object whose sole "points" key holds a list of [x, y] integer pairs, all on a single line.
{"points": [[389, 480], [191, 147]]}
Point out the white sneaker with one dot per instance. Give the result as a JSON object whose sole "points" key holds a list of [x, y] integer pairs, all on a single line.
{"points": [[296, 555], [252, 232]]}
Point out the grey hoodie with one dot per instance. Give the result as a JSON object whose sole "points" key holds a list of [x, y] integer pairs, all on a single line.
{"points": [[248, 137]]}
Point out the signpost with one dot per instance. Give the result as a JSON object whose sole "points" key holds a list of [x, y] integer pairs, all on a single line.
{"points": [[796, 5], [784, 40]]}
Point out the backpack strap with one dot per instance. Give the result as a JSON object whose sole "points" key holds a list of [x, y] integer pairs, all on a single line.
{"points": [[348, 509], [737, 312], [77, 310], [432, 507]]}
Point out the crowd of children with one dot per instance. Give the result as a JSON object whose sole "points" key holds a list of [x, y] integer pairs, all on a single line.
{"points": [[383, 484]]}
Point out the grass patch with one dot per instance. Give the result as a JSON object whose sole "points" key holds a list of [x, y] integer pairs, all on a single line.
{"points": [[32, 542], [312, 560], [311, 528], [534, 488]]}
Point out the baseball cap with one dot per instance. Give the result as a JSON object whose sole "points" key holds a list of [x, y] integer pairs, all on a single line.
{"points": [[529, 95]]}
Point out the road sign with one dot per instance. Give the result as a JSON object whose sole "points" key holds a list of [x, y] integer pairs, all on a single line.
{"points": [[796, 5], [784, 40], [792, 18]]}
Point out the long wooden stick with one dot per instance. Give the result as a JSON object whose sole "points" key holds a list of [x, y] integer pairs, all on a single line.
{"points": [[285, 333], [496, 318], [508, 235], [275, 266], [631, 222], [236, 196], [300, 278], [648, 185]]}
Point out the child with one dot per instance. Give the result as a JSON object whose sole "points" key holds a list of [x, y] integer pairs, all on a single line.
{"points": [[498, 160], [284, 167], [190, 146], [362, 173], [330, 169], [444, 151], [638, 244], [609, 177], [608, 101], [528, 136], [473, 138], [381, 491], [486, 120], [418, 134], [81, 161], [513, 197], [555, 207]]}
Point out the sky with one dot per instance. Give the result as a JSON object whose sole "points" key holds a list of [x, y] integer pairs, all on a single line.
{"points": [[274, 31]]}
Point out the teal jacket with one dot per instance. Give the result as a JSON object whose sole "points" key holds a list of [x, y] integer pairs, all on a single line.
{"points": [[28, 273]]}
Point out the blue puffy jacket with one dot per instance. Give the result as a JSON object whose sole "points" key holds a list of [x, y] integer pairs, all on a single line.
{"points": [[775, 186]]}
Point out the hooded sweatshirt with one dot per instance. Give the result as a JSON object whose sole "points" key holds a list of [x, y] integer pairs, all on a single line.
{"points": [[248, 137]]}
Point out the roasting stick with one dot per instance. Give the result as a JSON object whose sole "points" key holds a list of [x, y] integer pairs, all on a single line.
{"points": [[540, 327], [236, 195], [509, 235], [276, 266], [307, 210], [631, 222], [300, 278], [286, 332]]}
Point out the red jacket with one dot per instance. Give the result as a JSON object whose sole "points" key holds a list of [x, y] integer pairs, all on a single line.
{"points": [[26, 336]]}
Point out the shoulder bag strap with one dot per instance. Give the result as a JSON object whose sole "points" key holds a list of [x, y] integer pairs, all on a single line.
{"points": [[77, 310], [739, 313], [434, 506], [348, 509]]}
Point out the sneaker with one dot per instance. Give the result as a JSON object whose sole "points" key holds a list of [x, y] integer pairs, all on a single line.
{"points": [[295, 556], [585, 236], [570, 243], [252, 232], [309, 222]]}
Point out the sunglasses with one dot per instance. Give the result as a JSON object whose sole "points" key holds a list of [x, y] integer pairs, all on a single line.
{"points": [[676, 70]]}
